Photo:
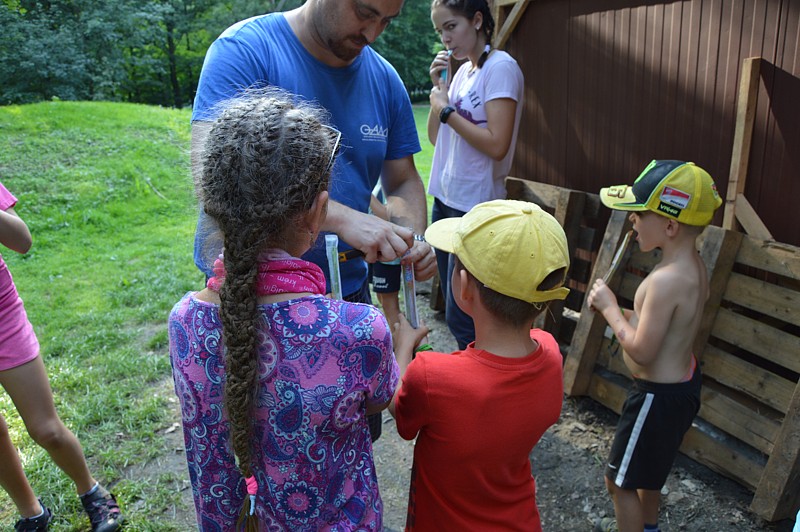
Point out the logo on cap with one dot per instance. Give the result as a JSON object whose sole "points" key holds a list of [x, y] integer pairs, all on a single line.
{"points": [[676, 198]]}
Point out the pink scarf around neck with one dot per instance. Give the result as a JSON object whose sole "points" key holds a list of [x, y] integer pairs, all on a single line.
{"points": [[278, 273]]}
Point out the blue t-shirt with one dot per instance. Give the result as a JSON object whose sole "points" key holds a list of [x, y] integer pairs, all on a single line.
{"points": [[366, 100]]}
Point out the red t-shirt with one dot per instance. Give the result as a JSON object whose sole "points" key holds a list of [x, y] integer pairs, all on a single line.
{"points": [[477, 416]]}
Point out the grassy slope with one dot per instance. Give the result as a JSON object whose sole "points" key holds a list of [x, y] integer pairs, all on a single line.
{"points": [[104, 189]]}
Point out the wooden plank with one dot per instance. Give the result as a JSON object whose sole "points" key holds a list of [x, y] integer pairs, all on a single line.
{"points": [[643, 261], [764, 386], [437, 300], [718, 251], [568, 211], [580, 360], [510, 23], [778, 493], [627, 288], [586, 238], [765, 298], [723, 456], [539, 193], [781, 259], [748, 218], [758, 338], [725, 412], [742, 137], [544, 194], [702, 442]]}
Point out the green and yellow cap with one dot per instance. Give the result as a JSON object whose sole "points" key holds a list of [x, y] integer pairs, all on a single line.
{"points": [[675, 189]]}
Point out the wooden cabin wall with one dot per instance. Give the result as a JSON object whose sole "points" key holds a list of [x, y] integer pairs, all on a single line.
{"points": [[612, 84]]}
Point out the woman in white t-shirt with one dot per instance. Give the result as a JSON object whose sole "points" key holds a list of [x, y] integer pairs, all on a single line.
{"points": [[473, 123]]}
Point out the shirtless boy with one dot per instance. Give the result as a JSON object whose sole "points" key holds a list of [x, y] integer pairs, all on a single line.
{"points": [[670, 203]]}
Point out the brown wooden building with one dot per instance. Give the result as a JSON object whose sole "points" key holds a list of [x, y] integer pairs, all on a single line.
{"points": [[612, 84]]}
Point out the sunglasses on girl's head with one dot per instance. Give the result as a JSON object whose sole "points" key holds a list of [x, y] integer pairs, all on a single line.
{"points": [[338, 135]]}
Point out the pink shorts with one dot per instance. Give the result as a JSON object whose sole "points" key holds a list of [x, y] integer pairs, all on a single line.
{"points": [[18, 343]]}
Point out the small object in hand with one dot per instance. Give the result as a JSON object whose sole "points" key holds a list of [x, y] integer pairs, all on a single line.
{"points": [[409, 294], [332, 253], [618, 257], [444, 70]]}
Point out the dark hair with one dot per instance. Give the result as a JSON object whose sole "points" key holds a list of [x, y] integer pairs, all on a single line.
{"points": [[468, 8], [511, 310], [266, 159]]}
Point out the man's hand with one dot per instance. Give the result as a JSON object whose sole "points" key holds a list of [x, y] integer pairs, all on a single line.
{"points": [[381, 241], [424, 259]]}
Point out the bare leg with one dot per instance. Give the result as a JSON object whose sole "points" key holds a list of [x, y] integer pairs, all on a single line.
{"points": [[12, 477], [627, 507], [650, 502], [29, 388]]}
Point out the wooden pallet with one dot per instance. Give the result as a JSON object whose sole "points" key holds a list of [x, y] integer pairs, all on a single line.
{"points": [[580, 214]]}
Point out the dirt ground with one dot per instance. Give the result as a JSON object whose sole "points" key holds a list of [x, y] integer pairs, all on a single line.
{"points": [[567, 463]]}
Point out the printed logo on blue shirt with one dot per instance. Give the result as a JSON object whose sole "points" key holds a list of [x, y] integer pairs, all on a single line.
{"points": [[376, 133]]}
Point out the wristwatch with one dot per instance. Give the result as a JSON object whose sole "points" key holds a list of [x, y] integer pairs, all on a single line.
{"points": [[445, 114]]}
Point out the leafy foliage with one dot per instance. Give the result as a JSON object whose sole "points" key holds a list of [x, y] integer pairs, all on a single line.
{"points": [[151, 51], [409, 44]]}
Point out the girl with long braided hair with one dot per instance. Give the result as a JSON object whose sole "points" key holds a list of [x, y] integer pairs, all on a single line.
{"points": [[274, 379], [473, 122]]}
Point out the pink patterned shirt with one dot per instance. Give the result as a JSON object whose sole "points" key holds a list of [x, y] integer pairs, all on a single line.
{"points": [[321, 362]]}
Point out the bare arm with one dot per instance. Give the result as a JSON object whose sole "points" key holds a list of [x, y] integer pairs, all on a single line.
{"points": [[433, 126], [439, 63], [14, 232], [378, 239], [494, 140], [407, 339], [642, 343], [407, 207]]}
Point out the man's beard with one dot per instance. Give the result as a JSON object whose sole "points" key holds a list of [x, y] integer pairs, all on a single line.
{"points": [[344, 52]]}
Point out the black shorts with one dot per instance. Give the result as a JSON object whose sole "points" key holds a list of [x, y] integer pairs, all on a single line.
{"points": [[651, 427], [385, 277]]}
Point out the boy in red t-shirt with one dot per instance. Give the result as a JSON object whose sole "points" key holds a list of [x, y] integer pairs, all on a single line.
{"points": [[478, 413]]}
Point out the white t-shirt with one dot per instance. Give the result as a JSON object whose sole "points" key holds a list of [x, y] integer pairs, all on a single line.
{"points": [[461, 176]]}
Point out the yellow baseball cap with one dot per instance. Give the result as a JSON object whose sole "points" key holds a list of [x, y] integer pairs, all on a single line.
{"points": [[675, 189], [510, 246]]}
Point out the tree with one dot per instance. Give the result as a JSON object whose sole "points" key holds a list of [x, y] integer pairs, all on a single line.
{"points": [[409, 44], [151, 51]]}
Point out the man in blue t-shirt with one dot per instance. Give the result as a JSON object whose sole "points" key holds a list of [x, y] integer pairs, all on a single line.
{"points": [[320, 52]]}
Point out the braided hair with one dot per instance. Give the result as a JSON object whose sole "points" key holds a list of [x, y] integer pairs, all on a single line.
{"points": [[266, 159], [468, 8]]}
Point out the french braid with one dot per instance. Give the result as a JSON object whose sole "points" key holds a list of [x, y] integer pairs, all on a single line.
{"points": [[266, 159]]}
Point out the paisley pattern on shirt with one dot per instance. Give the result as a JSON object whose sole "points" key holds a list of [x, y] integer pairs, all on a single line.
{"points": [[320, 362]]}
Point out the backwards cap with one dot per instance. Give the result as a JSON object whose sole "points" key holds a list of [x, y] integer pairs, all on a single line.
{"points": [[509, 246], [675, 189]]}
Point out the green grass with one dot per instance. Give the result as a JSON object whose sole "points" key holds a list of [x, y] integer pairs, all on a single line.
{"points": [[423, 159], [104, 189], [106, 193]]}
